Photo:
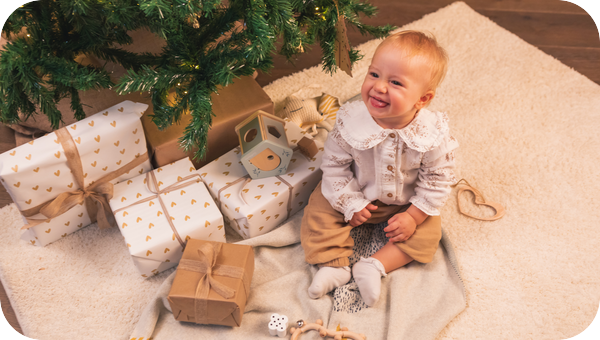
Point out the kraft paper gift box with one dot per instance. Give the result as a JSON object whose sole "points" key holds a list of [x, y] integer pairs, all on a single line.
{"points": [[212, 283], [157, 213], [255, 207], [231, 105], [62, 181]]}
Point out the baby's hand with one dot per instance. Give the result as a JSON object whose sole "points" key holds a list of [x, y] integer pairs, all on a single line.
{"points": [[400, 227], [360, 217]]}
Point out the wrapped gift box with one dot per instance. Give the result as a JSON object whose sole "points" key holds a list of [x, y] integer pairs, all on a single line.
{"points": [[106, 147], [222, 302], [154, 243], [231, 106], [255, 207]]}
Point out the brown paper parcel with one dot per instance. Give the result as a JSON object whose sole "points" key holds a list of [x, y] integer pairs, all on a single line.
{"points": [[40, 175], [231, 105], [208, 271], [157, 213], [255, 207]]}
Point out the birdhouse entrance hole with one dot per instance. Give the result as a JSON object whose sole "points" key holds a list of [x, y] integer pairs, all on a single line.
{"points": [[250, 135], [273, 130], [266, 160]]}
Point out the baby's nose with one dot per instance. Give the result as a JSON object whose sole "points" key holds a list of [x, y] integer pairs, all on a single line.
{"points": [[380, 86]]}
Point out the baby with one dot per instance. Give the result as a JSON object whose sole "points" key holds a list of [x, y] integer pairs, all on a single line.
{"points": [[386, 159]]}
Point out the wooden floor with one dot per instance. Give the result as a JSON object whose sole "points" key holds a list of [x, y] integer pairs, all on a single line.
{"points": [[556, 27]]}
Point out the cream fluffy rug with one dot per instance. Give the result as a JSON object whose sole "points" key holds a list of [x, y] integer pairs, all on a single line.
{"points": [[528, 129]]}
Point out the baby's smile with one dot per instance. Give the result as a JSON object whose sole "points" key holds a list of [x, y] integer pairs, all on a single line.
{"points": [[378, 102]]}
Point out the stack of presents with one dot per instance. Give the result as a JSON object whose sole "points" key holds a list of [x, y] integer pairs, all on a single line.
{"points": [[116, 169]]}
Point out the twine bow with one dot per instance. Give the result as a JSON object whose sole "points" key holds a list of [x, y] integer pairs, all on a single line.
{"points": [[206, 265], [95, 196], [246, 179], [96, 202]]}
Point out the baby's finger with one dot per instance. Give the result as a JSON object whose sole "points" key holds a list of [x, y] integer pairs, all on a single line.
{"points": [[399, 238], [390, 227], [355, 221], [371, 206], [393, 233]]}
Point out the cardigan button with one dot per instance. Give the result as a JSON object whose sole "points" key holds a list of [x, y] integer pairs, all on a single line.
{"points": [[390, 168], [390, 194], [392, 135]]}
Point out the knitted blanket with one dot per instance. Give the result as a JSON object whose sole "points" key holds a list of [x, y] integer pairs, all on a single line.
{"points": [[417, 301]]}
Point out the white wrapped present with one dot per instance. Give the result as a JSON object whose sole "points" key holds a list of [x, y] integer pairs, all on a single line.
{"points": [[61, 182], [255, 207], [159, 211]]}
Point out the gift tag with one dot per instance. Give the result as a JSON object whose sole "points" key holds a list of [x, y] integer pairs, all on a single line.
{"points": [[342, 46]]}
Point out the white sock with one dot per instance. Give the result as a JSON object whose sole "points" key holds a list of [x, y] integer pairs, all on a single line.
{"points": [[367, 274], [328, 278]]}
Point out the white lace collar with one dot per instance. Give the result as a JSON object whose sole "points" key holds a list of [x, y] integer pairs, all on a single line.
{"points": [[358, 128]]}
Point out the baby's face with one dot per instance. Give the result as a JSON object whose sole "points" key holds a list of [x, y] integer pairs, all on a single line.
{"points": [[395, 87]]}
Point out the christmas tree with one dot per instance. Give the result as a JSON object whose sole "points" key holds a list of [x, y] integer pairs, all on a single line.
{"points": [[208, 44]]}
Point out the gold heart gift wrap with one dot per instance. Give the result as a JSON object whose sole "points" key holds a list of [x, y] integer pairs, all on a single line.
{"points": [[255, 207], [108, 147], [159, 211]]}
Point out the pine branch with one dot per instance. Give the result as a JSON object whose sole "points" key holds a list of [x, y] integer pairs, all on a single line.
{"points": [[76, 105], [196, 133], [72, 74], [126, 59], [205, 48]]}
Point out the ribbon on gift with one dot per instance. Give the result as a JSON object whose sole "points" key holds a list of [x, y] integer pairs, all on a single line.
{"points": [[151, 179], [247, 180], [208, 253], [95, 196]]}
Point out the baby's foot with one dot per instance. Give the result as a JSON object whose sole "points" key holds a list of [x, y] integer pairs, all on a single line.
{"points": [[328, 278], [367, 274]]}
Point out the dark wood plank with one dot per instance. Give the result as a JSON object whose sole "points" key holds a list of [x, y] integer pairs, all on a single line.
{"points": [[4, 197], [542, 23], [9, 326], [581, 59], [7, 142], [549, 29], [540, 6]]}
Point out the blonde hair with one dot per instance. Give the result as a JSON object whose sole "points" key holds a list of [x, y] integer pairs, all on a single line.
{"points": [[424, 46]]}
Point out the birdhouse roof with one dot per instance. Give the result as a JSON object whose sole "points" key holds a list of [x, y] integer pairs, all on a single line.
{"points": [[258, 113]]}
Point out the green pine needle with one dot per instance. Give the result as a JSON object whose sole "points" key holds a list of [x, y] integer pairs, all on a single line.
{"points": [[208, 44]]}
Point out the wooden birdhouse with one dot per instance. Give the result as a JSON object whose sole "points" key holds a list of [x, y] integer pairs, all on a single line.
{"points": [[265, 148]]}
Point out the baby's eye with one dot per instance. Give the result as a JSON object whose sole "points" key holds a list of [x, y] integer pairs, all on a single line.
{"points": [[397, 83], [374, 75]]}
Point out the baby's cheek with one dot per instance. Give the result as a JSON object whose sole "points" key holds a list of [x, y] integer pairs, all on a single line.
{"points": [[364, 90]]}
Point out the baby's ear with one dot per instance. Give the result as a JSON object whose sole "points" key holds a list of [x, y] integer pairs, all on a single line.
{"points": [[425, 99]]}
